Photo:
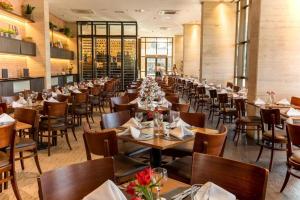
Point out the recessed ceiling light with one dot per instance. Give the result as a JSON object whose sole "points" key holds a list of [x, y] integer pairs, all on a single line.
{"points": [[168, 12], [139, 10], [83, 11], [119, 11], [164, 28]]}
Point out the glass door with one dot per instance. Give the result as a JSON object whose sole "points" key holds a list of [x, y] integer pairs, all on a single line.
{"points": [[162, 65], [150, 66]]}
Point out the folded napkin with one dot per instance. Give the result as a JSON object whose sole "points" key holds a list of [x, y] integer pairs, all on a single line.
{"points": [[90, 84], [107, 190], [53, 94], [219, 85], [293, 112], [22, 101], [206, 86], [213, 88], [135, 133], [76, 91], [181, 123], [5, 118], [284, 102], [211, 191], [235, 95], [132, 122], [223, 91], [57, 91], [16, 104], [181, 132], [52, 100], [259, 101], [228, 88]]}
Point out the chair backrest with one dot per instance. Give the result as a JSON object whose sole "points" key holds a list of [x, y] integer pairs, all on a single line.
{"points": [[223, 99], [9, 99], [213, 94], [240, 106], [293, 137], [103, 143], [96, 90], [3, 107], [212, 144], [247, 182], [132, 108], [270, 116], [295, 101], [132, 96], [54, 109], [80, 98], [115, 120], [118, 100], [7, 138], [172, 98], [75, 181], [132, 90], [193, 119], [25, 115], [201, 90], [236, 88], [229, 84], [180, 107], [64, 98]]}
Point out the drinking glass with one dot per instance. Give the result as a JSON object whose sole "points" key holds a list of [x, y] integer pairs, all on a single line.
{"points": [[139, 117], [194, 189], [159, 177]]}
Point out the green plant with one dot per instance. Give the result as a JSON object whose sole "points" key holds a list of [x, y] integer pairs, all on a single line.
{"points": [[52, 26], [28, 9], [6, 6], [67, 32]]}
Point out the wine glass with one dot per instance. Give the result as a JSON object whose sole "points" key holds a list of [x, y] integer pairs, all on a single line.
{"points": [[159, 177], [175, 117], [139, 117]]}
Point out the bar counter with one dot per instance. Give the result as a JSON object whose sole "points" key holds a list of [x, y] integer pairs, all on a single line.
{"points": [[11, 86]]}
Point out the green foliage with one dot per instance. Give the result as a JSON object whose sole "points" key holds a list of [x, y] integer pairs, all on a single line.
{"points": [[6, 6], [29, 9]]}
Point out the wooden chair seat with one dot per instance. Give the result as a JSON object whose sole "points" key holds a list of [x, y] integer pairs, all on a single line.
{"points": [[131, 149], [180, 169], [181, 150], [280, 136], [247, 120], [295, 158], [56, 125], [23, 143], [4, 159]]}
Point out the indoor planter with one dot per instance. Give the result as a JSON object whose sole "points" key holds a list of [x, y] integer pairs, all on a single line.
{"points": [[28, 9]]}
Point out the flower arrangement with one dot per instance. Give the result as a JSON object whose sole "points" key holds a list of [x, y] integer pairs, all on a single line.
{"points": [[142, 187], [271, 97]]}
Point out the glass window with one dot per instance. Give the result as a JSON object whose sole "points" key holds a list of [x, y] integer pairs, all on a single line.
{"points": [[170, 49], [143, 49], [86, 29], [162, 48], [129, 30], [143, 64], [150, 39], [162, 39], [100, 29], [151, 48], [115, 29]]}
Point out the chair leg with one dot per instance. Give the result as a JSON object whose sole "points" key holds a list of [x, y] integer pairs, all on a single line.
{"points": [[87, 120], [67, 139], [218, 121], [92, 118], [49, 143], [21, 160], [14, 185], [36, 159], [286, 180], [6, 183], [260, 152], [271, 160], [73, 131]]}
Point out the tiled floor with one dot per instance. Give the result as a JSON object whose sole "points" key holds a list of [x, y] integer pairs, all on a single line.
{"points": [[62, 156]]}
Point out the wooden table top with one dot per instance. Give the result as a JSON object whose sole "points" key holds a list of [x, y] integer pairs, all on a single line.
{"points": [[283, 108], [172, 184], [22, 126], [161, 143]]}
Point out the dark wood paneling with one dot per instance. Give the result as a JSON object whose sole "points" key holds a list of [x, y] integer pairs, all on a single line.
{"points": [[37, 84], [18, 47], [62, 53], [7, 88]]}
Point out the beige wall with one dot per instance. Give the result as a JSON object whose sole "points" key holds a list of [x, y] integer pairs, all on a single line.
{"points": [[178, 52], [191, 49], [279, 48], [218, 39]]}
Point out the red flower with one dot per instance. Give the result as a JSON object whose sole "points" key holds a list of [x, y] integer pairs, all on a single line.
{"points": [[131, 188], [136, 198], [144, 177]]}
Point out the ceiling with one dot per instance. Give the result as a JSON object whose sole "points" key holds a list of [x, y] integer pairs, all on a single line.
{"points": [[145, 12]]}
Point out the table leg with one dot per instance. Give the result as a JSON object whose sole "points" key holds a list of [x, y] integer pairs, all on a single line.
{"points": [[155, 157]]}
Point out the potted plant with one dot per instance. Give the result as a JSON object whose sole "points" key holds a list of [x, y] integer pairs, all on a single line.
{"points": [[28, 9], [6, 6], [67, 31]]}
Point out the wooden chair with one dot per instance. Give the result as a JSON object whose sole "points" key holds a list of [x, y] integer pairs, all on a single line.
{"points": [[95, 99], [75, 181], [245, 181], [7, 161], [130, 107], [293, 155], [236, 88], [132, 96], [28, 116], [213, 144], [174, 98], [3, 107], [54, 120], [243, 121], [117, 100], [105, 143], [224, 110], [80, 107], [271, 117], [229, 84], [213, 104], [116, 120], [180, 107], [295, 101], [201, 98]]}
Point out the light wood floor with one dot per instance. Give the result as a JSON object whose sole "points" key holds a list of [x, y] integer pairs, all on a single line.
{"points": [[62, 156]]}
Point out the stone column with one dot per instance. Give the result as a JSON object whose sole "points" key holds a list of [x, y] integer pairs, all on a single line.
{"points": [[191, 49], [178, 52], [40, 65], [218, 41]]}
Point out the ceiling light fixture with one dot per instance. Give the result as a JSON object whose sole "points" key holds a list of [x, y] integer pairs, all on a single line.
{"points": [[139, 10], [168, 12]]}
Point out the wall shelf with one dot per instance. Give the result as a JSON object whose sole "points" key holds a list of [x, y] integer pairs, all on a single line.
{"points": [[17, 47], [15, 16], [61, 53]]}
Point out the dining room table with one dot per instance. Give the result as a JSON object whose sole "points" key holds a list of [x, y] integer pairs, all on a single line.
{"points": [[158, 143]]}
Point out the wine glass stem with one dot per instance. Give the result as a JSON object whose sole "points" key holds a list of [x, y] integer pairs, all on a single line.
{"points": [[158, 193]]}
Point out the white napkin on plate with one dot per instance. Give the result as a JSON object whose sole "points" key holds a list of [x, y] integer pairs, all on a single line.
{"points": [[132, 122], [181, 123], [219, 85], [211, 191], [293, 112], [53, 94], [259, 101], [22, 101], [223, 91], [181, 132], [228, 88], [5, 118], [76, 91], [135, 133], [52, 100], [107, 190], [16, 104], [57, 91], [89, 84], [284, 102], [235, 95]]}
